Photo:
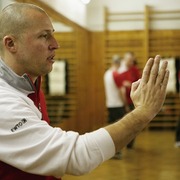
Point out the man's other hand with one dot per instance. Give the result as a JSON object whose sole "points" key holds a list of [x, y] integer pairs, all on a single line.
{"points": [[148, 94]]}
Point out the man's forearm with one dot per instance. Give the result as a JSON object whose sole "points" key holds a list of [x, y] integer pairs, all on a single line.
{"points": [[123, 131]]}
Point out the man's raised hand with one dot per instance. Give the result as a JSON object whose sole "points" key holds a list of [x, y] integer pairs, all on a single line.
{"points": [[148, 94]]}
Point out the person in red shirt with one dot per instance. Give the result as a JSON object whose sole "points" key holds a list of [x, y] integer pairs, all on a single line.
{"points": [[127, 74], [114, 91]]}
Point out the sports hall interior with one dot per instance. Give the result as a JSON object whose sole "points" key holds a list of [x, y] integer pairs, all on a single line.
{"points": [[89, 35]]}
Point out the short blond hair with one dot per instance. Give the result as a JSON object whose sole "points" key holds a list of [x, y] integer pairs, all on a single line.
{"points": [[14, 20], [116, 59]]}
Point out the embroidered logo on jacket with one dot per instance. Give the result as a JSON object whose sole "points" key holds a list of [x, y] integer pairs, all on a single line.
{"points": [[19, 124]]}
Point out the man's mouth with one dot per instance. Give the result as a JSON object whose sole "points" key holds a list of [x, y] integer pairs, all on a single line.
{"points": [[51, 58]]}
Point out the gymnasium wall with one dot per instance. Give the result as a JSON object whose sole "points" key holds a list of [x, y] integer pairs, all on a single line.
{"points": [[147, 43], [95, 13], [88, 97], [163, 42], [83, 105], [88, 54]]}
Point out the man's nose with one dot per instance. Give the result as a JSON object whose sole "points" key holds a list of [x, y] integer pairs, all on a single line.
{"points": [[54, 44]]}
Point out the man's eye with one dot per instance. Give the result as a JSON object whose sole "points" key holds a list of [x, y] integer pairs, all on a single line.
{"points": [[45, 36]]}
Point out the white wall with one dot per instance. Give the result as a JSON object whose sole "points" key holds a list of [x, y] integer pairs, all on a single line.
{"points": [[95, 13], [72, 9]]}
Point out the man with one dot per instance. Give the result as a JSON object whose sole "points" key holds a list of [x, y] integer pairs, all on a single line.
{"points": [[115, 95], [29, 147]]}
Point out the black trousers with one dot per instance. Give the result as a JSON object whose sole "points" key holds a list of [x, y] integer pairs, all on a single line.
{"points": [[178, 132], [115, 114]]}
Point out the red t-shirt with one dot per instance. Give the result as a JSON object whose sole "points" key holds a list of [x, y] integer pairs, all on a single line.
{"points": [[128, 77], [118, 79]]}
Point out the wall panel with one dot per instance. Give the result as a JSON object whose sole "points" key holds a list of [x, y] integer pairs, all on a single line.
{"points": [[119, 42]]}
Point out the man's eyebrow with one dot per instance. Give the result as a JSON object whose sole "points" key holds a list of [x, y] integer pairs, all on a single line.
{"points": [[50, 31]]}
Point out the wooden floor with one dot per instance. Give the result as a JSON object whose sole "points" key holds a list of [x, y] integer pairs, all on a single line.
{"points": [[153, 158]]}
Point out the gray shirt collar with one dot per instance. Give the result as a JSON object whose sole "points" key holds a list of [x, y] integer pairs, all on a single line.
{"points": [[22, 83]]}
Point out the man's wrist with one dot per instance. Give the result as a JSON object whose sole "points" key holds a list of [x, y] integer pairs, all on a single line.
{"points": [[144, 113]]}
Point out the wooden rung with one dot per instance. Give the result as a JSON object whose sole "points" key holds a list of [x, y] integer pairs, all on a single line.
{"points": [[55, 114], [162, 125], [127, 19], [165, 18], [165, 12], [164, 119], [125, 13]]}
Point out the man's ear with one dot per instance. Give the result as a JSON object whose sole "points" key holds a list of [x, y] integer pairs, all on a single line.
{"points": [[9, 43]]}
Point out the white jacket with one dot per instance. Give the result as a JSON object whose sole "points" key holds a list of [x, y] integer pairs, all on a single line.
{"points": [[30, 144]]}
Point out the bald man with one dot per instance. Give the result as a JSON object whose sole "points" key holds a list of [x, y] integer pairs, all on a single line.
{"points": [[29, 147]]}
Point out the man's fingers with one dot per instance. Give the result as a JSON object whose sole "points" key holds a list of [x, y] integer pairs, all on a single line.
{"points": [[165, 81], [162, 73], [154, 70], [135, 85], [147, 71]]}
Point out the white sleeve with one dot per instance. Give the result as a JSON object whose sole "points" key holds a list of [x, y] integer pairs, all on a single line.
{"points": [[30, 144]]}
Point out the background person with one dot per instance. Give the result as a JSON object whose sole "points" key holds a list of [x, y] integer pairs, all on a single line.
{"points": [[115, 94]]}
